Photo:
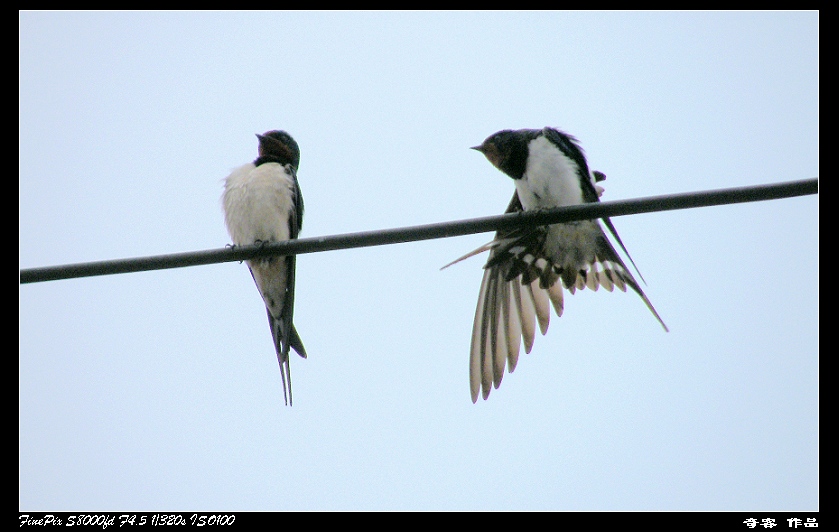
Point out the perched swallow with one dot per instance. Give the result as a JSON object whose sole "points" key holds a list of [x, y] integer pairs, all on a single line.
{"points": [[527, 267], [262, 203]]}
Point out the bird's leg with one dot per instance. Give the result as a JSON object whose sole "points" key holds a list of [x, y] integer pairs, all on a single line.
{"points": [[232, 248]]}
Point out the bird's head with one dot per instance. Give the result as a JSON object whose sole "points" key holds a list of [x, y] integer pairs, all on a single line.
{"points": [[279, 144], [506, 150]]}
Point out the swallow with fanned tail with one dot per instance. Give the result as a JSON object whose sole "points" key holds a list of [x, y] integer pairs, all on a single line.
{"points": [[529, 266]]}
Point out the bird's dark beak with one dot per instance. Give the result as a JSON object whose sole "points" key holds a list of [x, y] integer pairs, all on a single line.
{"points": [[261, 149], [479, 148]]}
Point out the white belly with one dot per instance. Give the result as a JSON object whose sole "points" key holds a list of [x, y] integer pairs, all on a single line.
{"points": [[257, 202], [550, 178]]}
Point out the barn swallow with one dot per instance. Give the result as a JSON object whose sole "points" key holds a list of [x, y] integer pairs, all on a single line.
{"points": [[528, 266], [262, 203]]}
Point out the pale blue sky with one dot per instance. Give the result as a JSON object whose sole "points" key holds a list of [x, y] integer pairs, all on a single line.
{"points": [[161, 391]]}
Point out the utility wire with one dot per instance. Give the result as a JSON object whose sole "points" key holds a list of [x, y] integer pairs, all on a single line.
{"points": [[426, 232]]}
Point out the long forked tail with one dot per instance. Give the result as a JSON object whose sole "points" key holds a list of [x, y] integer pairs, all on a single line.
{"points": [[285, 339], [285, 374], [292, 342]]}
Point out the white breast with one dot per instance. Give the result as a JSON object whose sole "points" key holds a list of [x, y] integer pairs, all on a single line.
{"points": [[257, 201], [550, 178]]}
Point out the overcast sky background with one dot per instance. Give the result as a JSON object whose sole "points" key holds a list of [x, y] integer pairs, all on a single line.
{"points": [[161, 391]]}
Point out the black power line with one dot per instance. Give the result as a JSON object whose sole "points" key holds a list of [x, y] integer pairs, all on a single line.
{"points": [[426, 232]]}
